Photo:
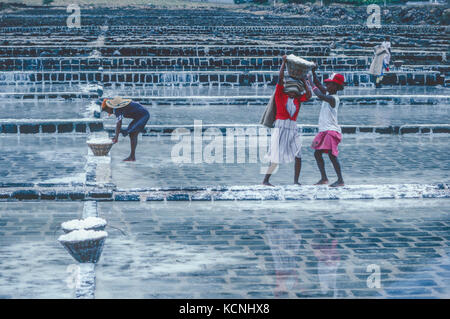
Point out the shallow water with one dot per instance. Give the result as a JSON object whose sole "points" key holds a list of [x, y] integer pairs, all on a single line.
{"points": [[235, 249], [365, 159], [382, 115], [44, 158]]}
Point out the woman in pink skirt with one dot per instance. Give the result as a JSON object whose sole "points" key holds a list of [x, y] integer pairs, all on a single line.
{"points": [[329, 136]]}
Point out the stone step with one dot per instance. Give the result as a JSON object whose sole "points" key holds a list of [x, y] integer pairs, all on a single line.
{"points": [[212, 100], [168, 63], [184, 63], [164, 50], [48, 95], [33, 192], [251, 129], [347, 29], [30, 126], [379, 99], [195, 78], [315, 48]]}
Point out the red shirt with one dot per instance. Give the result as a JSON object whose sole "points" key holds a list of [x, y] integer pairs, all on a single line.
{"points": [[281, 99]]}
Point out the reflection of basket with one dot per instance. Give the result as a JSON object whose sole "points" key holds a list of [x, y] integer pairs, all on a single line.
{"points": [[100, 149], [297, 67], [86, 251]]}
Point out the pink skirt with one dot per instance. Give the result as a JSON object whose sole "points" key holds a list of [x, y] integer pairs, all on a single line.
{"points": [[327, 140]]}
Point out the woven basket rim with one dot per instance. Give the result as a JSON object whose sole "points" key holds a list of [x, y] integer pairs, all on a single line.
{"points": [[100, 144]]}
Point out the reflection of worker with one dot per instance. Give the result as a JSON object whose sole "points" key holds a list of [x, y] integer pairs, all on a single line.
{"points": [[328, 261], [285, 248], [126, 108]]}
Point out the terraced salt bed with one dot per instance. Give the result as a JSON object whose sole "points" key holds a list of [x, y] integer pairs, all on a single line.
{"points": [[43, 109], [234, 249], [365, 159], [382, 115], [50, 159]]}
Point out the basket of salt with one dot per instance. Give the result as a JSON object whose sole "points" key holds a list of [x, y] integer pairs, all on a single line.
{"points": [[90, 223], [297, 67], [100, 146], [85, 246]]}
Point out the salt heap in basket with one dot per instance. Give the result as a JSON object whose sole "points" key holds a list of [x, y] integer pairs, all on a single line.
{"points": [[100, 146], [90, 223]]}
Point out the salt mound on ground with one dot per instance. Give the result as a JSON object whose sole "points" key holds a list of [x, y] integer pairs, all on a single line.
{"points": [[82, 235], [90, 222]]}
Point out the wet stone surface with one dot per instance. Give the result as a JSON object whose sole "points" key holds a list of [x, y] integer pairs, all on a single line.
{"points": [[365, 159], [382, 115], [33, 263], [275, 250], [30, 158], [42, 109]]}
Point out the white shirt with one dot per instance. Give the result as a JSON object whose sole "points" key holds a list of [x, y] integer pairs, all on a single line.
{"points": [[387, 46], [328, 117], [290, 106]]}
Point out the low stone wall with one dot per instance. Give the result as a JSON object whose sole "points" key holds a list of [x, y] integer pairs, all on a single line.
{"points": [[162, 50], [195, 78], [31, 192], [385, 99], [307, 129], [172, 63], [50, 126]]}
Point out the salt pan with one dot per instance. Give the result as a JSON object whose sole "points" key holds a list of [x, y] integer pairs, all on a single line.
{"points": [[82, 235], [90, 222]]}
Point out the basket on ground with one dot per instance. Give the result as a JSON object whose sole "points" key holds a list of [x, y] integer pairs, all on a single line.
{"points": [[84, 248], [101, 147]]}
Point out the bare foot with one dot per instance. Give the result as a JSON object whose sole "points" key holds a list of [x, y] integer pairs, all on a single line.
{"points": [[337, 184], [267, 184], [322, 182], [130, 159]]}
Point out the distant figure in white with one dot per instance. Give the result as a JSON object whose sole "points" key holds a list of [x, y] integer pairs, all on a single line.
{"points": [[381, 60]]}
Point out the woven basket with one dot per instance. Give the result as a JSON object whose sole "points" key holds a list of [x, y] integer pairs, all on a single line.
{"points": [[87, 251], [100, 149], [297, 67]]}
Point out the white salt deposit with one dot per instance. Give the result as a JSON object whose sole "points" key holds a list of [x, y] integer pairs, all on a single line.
{"points": [[300, 61], [99, 140], [90, 222], [82, 235]]}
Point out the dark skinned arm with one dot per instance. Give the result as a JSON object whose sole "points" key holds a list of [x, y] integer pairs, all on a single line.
{"points": [[118, 127], [308, 88], [281, 74], [317, 82], [321, 92]]}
